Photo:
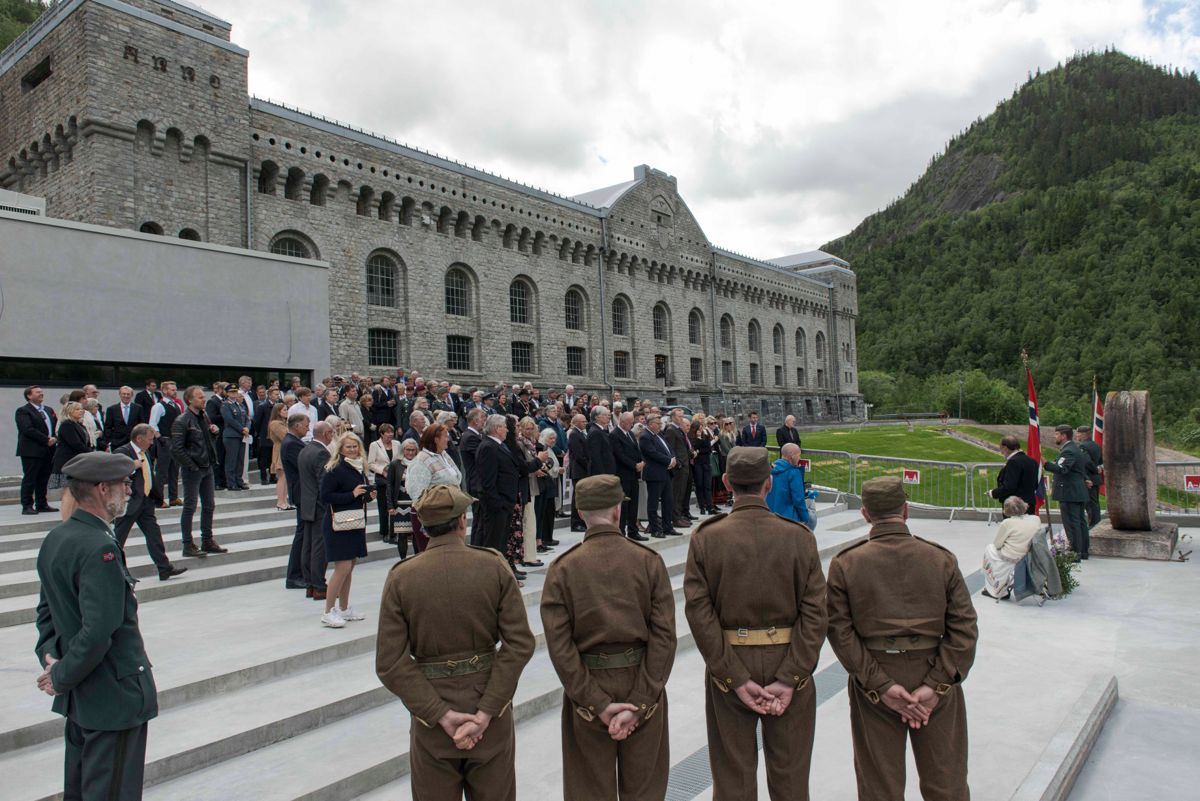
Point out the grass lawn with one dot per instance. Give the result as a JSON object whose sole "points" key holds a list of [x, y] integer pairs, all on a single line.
{"points": [[923, 442]]}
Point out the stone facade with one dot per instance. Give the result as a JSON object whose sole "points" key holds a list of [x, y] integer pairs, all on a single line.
{"points": [[144, 122]]}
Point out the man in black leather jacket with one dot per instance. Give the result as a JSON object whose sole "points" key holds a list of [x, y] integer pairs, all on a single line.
{"points": [[192, 448]]}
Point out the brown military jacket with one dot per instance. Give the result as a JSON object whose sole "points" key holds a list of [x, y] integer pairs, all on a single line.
{"points": [[451, 602], [603, 595], [898, 585], [752, 568]]}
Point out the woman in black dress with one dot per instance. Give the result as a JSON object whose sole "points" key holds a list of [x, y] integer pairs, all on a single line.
{"points": [[702, 445], [73, 438], [399, 504], [344, 487]]}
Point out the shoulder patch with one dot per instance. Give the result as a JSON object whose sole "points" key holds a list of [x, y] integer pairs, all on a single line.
{"points": [[108, 556]]}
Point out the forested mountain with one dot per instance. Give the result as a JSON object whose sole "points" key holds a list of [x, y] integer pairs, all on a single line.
{"points": [[15, 16], [1067, 223]]}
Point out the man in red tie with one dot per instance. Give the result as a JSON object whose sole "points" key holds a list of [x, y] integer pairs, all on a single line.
{"points": [[753, 434]]}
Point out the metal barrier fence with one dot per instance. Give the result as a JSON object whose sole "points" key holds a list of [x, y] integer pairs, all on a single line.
{"points": [[944, 485], [1178, 488]]}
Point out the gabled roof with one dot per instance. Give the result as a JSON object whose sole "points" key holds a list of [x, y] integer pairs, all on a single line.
{"points": [[607, 197]]}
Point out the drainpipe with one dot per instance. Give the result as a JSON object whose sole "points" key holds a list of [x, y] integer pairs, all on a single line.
{"points": [[713, 323], [248, 193], [603, 306]]}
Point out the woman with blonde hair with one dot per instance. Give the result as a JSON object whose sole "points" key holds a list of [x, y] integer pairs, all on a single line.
{"points": [[91, 411], [73, 440], [347, 490], [277, 429], [527, 441]]}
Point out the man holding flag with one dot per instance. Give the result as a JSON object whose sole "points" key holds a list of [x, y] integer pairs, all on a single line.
{"points": [[1033, 441], [1090, 439]]}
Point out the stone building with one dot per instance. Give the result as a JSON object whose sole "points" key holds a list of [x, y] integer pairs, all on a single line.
{"points": [[136, 114]]}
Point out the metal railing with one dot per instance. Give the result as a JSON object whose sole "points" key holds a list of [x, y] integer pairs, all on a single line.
{"points": [[1178, 488]]}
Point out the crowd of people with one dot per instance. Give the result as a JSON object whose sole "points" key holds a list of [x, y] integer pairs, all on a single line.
{"points": [[335, 450]]}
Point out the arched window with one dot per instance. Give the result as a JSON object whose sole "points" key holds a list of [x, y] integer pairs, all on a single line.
{"points": [[573, 311], [726, 332], [320, 190], [294, 184], [518, 303], [820, 340], [695, 327], [777, 341], [754, 334], [458, 293], [190, 234], [381, 281], [660, 323], [268, 176], [289, 246], [620, 317], [151, 228], [801, 344], [366, 198]]}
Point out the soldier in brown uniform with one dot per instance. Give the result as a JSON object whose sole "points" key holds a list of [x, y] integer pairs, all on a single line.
{"points": [[439, 620], [756, 605], [609, 616], [902, 624]]}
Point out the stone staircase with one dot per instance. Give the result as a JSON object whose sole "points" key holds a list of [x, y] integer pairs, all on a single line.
{"points": [[257, 699]]}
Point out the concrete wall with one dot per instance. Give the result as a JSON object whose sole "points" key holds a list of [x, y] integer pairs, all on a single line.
{"points": [[74, 292]]}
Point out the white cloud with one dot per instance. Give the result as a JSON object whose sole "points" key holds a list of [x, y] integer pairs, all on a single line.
{"points": [[786, 123]]}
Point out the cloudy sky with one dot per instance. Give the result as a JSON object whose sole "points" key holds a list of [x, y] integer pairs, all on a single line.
{"points": [[785, 123]]}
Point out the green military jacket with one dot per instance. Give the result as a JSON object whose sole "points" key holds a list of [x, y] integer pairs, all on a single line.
{"points": [[1070, 472], [87, 620], [1095, 460]]}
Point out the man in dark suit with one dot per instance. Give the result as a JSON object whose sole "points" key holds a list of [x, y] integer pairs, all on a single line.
{"points": [[599, 447], [235, 427], [212, 408], [1070, 488], [1019, 476], [627, 456], [162, 418], [753, 434], [147, 398], [121, 418], [262, 436], [499, 476], [310, 465], [327, 405], [36, 424], [787, 432], [384, 401], [659, 462], [289, 457], [1095, 478], [577, 465], [468, 449], [519, 405], [676, 435], [145, 495]]}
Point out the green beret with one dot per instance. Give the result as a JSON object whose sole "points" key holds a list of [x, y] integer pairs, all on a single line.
{"points": [[883, 495], [98, 467], [747, 465], [598, 492], [441, 504], [1064, 429]]}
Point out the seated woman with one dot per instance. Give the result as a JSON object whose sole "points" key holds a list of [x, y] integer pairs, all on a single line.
{"points": [[1012, 542]]}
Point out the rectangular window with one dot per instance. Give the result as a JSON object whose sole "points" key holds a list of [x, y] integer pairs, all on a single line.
{"points": [[821, 379], [697, 371], [727, 372], [383, 347], [755, 377], [576, 361], [621, 363], [522, 357], [39, 73], [808, 407], [458, 353], [660, 367], [799, 376], [778, 376]]}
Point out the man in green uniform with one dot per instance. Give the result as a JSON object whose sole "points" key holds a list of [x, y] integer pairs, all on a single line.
{"points": [[440, 617], [609, 617], [755, 599], [1070, 490], [902, 624], [88, 640], [1095, 478]]}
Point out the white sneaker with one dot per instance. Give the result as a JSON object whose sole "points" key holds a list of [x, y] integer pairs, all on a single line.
{"points": [[332, 619], [349, 614]]}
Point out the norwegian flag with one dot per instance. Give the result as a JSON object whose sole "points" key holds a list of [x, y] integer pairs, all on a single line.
{"points": [[1098, 426], [1033, 442]]}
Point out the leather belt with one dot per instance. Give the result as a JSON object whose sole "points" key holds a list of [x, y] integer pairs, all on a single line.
{"points": [[626, 658], [457, 667], [768, 636], [898, 645]]}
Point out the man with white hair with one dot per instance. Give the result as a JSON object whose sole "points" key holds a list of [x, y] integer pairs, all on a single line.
{"points": [[1013, 539], [568, 397]]}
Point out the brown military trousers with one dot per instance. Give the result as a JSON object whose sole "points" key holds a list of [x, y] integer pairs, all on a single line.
{"points": [[598, 768], [732, 735], [441, 772], [939, 748]]}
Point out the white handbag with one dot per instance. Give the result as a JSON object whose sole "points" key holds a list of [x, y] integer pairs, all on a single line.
{"points": [[350, 520]]}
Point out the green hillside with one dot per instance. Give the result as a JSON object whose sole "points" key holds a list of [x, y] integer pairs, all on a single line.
{"points": [[15, 16], [1068, 223]]}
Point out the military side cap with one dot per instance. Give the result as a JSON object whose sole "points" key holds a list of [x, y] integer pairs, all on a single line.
{"points": [[1064, 429], [884, 494], [98, 467], [746, 465], [598, 492], [441, 504]]}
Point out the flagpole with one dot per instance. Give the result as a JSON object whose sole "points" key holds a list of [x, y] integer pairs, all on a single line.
{"points": [[1041, 472]]}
